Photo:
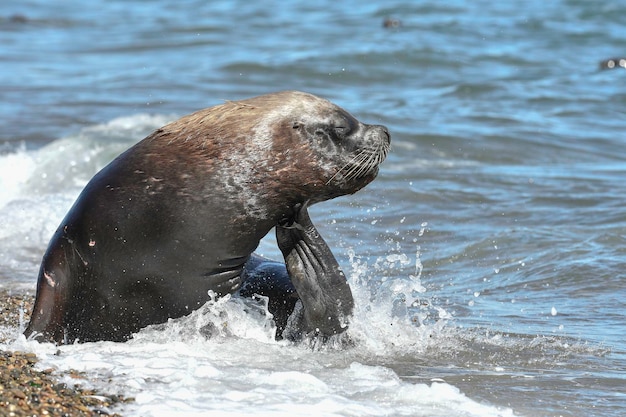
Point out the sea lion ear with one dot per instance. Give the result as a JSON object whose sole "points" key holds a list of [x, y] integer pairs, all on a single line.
{"points": [[297, 124]]}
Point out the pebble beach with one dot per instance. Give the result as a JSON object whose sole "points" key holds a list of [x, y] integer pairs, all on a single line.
{"points": [[26, 390]]}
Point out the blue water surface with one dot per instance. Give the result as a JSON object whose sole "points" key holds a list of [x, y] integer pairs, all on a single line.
{"points": [[505, 180]]}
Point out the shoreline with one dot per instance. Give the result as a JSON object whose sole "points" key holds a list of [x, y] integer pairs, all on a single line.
{"points": [[26, 391]]}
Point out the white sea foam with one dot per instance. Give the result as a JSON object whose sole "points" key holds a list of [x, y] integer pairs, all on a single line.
{"points": [[222, 359], [175, 369]]}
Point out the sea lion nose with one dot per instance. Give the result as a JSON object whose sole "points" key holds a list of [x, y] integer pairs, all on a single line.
{"points": [[384, 132]]}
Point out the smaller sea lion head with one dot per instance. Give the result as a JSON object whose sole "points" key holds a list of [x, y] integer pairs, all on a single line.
{"points": [[613, 63]]}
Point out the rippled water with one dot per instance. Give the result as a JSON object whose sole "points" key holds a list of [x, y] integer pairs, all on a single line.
{"points": [[487, 259]]}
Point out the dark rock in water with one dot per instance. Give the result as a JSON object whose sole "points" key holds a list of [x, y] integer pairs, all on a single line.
{"points": [[392, 23], [18, 18]]}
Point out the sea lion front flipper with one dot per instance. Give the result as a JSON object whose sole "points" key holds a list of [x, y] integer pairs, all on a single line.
{"points": [[321, 285], [47, 321]]}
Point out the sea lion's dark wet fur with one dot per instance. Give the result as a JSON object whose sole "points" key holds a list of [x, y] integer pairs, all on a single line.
{"points": [[180, 213]]}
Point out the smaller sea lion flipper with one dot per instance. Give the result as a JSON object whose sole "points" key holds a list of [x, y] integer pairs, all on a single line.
{"points": [[321, 285]]}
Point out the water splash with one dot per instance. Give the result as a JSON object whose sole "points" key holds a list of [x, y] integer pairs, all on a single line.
{"points": [[219, 319], [394, 313]]}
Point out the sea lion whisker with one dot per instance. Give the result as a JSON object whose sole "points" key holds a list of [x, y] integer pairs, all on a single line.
{"points": [[346, 165], [353, 164], [365, 164], [361, 170]]}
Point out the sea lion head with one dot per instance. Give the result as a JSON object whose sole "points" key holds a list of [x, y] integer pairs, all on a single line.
{"points": [[322, 150]]}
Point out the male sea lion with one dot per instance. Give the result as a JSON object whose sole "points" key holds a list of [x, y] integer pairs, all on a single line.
{"points": [[180, 213]]}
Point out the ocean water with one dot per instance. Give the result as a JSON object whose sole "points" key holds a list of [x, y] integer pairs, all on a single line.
{"points": [[487, 259]]}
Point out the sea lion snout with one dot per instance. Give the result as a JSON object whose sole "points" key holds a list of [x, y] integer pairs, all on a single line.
{"points": [[380, 133]]}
